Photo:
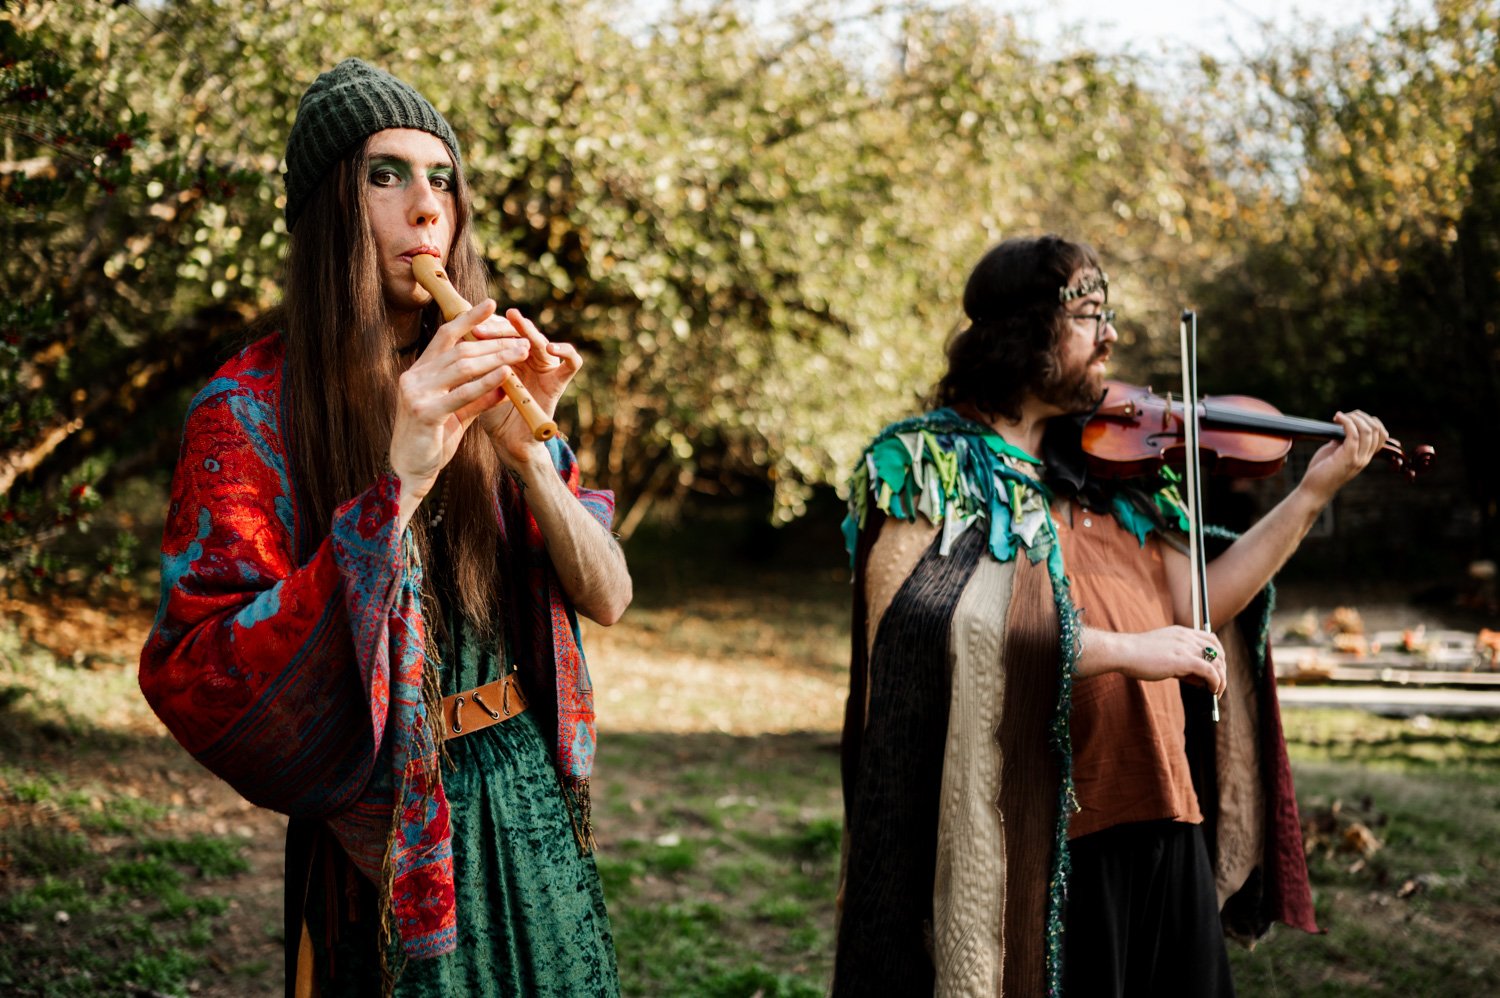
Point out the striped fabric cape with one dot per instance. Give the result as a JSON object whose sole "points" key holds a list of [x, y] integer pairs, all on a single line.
{"points": [[298, 678], [986, 501]]}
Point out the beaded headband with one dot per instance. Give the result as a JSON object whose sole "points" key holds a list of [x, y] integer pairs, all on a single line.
{"points": [[1098, 282]]}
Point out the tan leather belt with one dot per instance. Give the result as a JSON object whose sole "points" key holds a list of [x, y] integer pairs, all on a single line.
{"points": [[472, 710]]}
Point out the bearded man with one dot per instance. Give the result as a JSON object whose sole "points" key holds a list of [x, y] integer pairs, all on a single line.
{"points": [[1035, 801]]}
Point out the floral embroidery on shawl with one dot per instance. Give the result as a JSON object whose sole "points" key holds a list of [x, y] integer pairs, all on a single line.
{"points": [[248, 663]]}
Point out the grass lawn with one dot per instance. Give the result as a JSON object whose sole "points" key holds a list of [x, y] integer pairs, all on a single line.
{"points": [[126, 869], [724, 886], [1417, 910]]}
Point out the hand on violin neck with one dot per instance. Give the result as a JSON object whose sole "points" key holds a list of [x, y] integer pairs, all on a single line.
{"points": [[1243, 570], [1336, 463]]}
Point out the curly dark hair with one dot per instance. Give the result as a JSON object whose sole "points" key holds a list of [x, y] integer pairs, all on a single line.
{"points": [[1015, 320]]}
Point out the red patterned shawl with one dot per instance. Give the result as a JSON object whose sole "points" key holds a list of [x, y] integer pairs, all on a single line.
{"points": [[299, 681]]}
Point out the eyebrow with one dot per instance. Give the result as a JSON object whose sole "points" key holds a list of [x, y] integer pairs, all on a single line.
{"points": [[376, 154]]}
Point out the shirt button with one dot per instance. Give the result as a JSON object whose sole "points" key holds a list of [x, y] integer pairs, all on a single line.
{"points": [[1087, 522]]}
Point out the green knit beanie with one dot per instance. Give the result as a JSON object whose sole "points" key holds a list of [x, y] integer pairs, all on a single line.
{"points": [[344, 106]]}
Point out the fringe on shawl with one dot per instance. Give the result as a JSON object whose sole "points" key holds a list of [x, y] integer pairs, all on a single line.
{"points": [[579, 801], [432, 701], [1070, 643]]}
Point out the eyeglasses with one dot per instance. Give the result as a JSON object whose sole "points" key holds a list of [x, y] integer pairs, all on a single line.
{"points": [[1103, 317]]}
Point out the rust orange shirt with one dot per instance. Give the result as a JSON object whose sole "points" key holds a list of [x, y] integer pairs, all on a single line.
{"points": [[1129, 752]]}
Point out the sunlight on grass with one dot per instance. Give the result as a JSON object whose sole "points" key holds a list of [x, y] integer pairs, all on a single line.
{"points": [[642, 692], [719, 818], [64, 697], [711, 662]]}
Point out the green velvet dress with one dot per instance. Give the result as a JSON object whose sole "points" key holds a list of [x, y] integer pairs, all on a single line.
{"points": [[531, 918]]}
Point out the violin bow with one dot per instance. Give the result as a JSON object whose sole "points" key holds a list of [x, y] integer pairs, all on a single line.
{"points": [[1197, 560]]}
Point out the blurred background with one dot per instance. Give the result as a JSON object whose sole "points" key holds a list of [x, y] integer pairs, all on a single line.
{"points": [[755, 220]]}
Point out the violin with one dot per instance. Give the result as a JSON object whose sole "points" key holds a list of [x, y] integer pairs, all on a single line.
{"points": [[1135, 431]]}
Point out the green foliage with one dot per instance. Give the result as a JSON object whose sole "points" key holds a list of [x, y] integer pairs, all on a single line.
{"points": [[160, 971], [1398, 922], [178, 905], [144, 877], [158, 870], [98, 921], [821, 838], [210, 857], [618, 876], [40, 851], [780, 911], [749, 982], [757, 236], [109, 193], [757, 233], [1364, 252], [32, 793], [50, 893], [117, 814], [753, 911], [667, 860]]}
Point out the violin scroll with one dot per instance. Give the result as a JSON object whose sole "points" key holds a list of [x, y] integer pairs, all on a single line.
{"points": [[1409, 465]]}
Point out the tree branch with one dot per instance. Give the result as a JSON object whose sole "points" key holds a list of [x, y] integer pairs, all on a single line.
{"points": [[20, 462]]}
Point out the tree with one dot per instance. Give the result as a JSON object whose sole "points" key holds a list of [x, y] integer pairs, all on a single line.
{"points": [[757, 235], [1366, 256], [96, 198]]}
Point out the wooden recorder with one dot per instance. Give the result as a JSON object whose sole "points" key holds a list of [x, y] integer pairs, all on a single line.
{"points": [[429, 273]]}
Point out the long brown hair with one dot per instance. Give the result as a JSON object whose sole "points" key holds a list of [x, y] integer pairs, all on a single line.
{"points": [[340, 385]]}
